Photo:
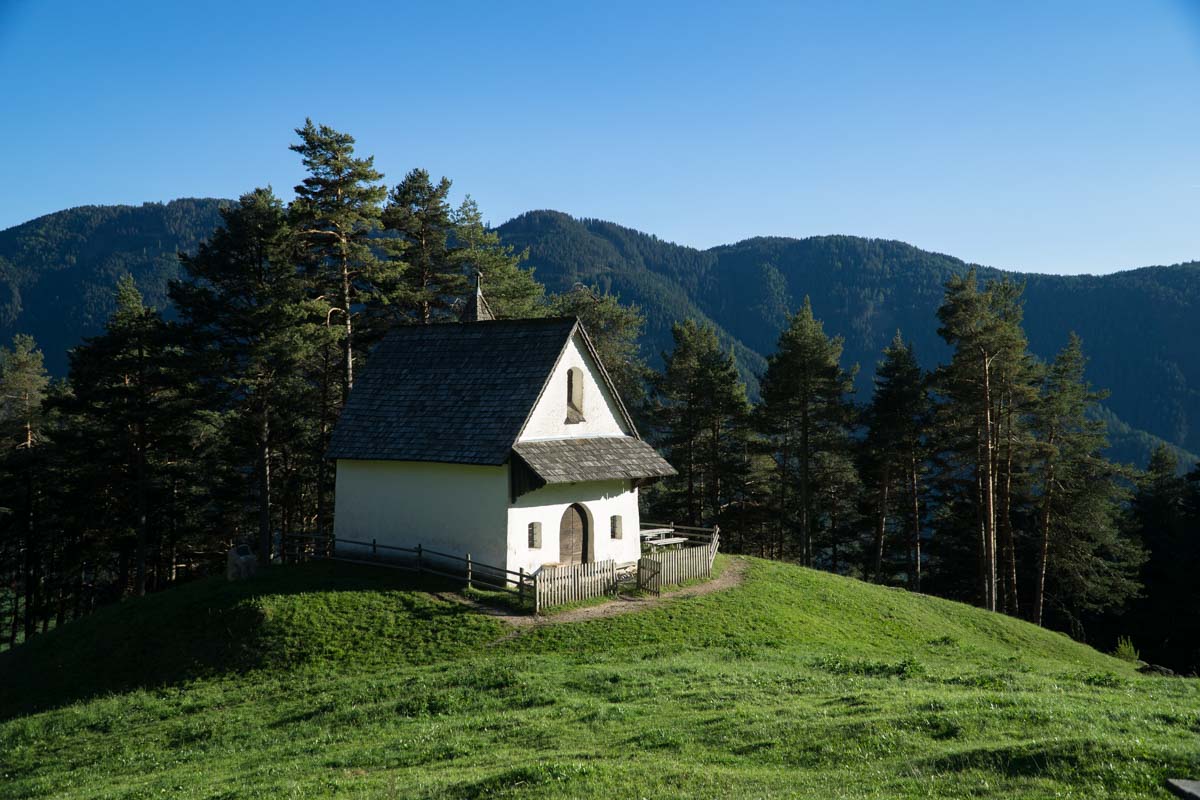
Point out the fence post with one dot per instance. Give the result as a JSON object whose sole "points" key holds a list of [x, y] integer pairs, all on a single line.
{"points": [[468, 570], [418, 558], [521, 585], [374, 551]]}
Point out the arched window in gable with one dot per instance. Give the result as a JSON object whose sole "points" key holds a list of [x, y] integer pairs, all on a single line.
{"points": [[574, 395]]}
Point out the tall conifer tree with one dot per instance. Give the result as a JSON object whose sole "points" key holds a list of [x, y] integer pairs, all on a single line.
{"points": [[23, 386], [336, 210], [245, 312], [512, 292], [420, 227], [894, 453], [806, 409], [702, 414], [1081, 551], [971, 322]]}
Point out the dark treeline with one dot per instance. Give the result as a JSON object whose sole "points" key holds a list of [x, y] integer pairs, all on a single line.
{"points": [[983, 481], [172, 438]]}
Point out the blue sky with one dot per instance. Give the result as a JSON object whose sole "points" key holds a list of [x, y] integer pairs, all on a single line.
{"points": [[1052, 136]]}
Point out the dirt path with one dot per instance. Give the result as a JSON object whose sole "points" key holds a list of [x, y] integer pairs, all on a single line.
{"points": [[732, 575]]}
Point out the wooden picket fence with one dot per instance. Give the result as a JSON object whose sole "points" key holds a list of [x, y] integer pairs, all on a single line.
{"points": [[556, 585], [692, 561]]}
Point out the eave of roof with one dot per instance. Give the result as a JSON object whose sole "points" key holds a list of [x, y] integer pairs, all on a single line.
{"points": [[592, 458]]}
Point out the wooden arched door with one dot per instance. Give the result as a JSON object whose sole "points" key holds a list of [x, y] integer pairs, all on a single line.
{"points": [[573, 536]]}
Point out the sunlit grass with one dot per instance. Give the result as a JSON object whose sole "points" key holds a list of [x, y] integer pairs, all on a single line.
{"points": [[795, 684]]}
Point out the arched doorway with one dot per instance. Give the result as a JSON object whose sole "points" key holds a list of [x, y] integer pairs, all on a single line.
{"points": [[573, 536]]}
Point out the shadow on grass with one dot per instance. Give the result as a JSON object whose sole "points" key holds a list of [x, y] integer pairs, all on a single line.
{"points": [[285, 616], [1073, 759]]}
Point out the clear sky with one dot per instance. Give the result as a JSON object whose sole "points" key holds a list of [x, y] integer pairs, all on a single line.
{"points": [[1052, 136]]}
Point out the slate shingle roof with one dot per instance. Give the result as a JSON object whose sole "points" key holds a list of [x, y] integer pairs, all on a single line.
{"points": [[592, 459], [456, 393]]}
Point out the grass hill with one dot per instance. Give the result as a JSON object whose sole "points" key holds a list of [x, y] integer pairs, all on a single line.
{"points": [[324, 679], [1140, 328]]}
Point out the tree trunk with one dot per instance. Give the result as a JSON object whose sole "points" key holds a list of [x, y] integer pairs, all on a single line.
{"points": [[264, 486], [321, 521], [30, 562], [881, 524], [784, 475], [833, 533], [1039, 596], [916, 520], [347, 293], [805, 492], [140, 491], [15, 626], [1011, 600], [989, 488]]}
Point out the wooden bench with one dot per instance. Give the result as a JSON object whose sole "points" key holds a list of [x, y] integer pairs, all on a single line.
{"points": [[649, 533], [666, 541]]}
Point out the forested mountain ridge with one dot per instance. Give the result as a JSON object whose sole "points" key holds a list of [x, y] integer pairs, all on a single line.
{"points": [[1140, 328], [58, 272]]}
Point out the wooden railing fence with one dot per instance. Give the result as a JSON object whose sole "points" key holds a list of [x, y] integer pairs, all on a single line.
{"points": [[419, 559]]}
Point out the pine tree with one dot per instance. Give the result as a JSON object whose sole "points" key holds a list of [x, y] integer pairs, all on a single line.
{"points": [[250, 327], [973, 322], [512, 292], [1081, 551], [1017, 374], [806, 410], [336, 210], [702, 416], [1165, 516], [122, 391], [23, 386], [894, 453], [420, 227]]}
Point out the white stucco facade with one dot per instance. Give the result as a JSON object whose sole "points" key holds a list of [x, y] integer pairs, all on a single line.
{"points": [[600, 500], [457, 508], [601, 416]]}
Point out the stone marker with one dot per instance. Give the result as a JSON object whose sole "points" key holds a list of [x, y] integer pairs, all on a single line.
{"points": [[240, 563]]}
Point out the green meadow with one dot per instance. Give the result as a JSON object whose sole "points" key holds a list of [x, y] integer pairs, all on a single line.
{"points": [[333, 680]]}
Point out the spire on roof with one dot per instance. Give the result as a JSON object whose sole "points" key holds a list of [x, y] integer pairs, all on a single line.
{"points": [[477, 308]]}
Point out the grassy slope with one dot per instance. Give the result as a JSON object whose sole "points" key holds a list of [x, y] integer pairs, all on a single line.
{"points": [[797, 683]]}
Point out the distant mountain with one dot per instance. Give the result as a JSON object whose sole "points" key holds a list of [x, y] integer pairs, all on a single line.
{"points": [[1141, 328], [57, 272]]}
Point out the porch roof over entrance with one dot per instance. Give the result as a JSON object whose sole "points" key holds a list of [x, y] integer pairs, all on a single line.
{"points": [[594, 458]]}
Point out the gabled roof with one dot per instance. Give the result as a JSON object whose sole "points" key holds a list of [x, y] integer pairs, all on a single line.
{"points": [[457, 393]]}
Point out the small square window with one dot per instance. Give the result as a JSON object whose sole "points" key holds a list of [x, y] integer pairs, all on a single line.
{"points": [[616, 529], [535, 535]]}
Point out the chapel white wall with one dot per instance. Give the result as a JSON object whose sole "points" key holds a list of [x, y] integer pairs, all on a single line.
{"points": [[600, 499], [600, 411], [457, 508]]}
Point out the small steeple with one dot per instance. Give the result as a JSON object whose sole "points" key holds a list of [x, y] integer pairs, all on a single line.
{"points": [[477, 308]]}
